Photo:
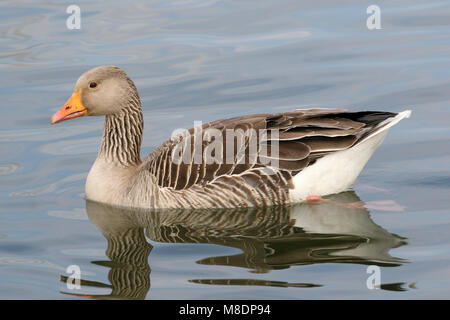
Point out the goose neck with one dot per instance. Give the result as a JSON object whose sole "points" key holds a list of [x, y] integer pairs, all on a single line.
{"points": [[122, 136]]}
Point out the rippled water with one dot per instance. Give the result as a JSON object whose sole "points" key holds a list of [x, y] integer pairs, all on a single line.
{"points": [[205, 60]]}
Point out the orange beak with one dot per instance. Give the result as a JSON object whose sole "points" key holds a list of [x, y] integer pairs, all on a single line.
{"points": [[73, 108]]}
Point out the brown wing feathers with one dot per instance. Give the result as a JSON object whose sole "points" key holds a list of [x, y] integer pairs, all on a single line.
{"points": [[302, 136]]}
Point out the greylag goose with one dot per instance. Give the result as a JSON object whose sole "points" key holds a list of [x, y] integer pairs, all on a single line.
{"points": [[254, 160]]}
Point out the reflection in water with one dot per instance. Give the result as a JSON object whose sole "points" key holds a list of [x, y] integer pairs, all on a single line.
{"points": [[270, 238]]}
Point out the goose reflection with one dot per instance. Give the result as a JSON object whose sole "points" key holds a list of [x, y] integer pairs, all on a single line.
{"points": [[269, 238]]}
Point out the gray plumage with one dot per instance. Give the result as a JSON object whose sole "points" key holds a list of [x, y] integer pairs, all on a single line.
{"points": [[256, 176]]}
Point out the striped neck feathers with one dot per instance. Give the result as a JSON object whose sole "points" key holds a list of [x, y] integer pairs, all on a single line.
{"points": [[122, 135]]}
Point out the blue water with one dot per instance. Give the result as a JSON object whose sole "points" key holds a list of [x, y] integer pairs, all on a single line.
{"points": [[202, 60]]}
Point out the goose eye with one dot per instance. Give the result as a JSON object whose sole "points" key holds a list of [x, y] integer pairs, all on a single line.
{"points": [[92, 84]]}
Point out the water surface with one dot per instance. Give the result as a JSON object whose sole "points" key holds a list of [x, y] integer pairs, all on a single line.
{"points": [[201, 60]]}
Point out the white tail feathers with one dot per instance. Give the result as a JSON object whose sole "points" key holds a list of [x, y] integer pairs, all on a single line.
{"points": [[337, 171], [389, 122]]}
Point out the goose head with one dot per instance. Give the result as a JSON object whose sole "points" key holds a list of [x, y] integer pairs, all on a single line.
{"points": [[104, 90]]}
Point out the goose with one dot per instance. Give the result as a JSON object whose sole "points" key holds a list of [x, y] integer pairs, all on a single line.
{"points": [[248, 161]]}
